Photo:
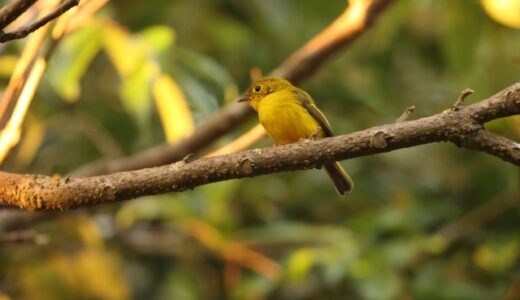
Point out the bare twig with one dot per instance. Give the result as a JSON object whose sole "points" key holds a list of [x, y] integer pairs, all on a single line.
{"points": [[406, 114], [23, 237], [356, 19], [20, 74], [463, 95], [462, 127], [26, 30], [13, 10], [10, 134]]}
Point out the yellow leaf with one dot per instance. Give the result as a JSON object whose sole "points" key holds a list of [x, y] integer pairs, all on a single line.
{"points": [[173, 108], [7, 65], [95, 273], [300, 264], [126, 53], [505, 12]]}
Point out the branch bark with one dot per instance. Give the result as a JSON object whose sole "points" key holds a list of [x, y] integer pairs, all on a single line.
{"points": [[26, 30], [13, 10], [355, 20], [463, 127]]}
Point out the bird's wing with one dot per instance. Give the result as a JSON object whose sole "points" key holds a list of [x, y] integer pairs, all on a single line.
{"points": [[314, 111]]}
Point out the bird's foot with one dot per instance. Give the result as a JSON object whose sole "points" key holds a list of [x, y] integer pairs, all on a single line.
{"points": [[316, 134]]}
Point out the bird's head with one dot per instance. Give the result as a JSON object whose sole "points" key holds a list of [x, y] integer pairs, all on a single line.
{"points": [[263, 87]]}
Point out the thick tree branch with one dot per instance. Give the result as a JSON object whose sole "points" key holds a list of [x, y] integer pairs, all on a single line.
{"points": [[356, 19], [26, 30], [462, 127]]}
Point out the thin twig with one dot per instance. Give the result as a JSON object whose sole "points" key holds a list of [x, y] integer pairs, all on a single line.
{"points": [[26, 30], [20, 74], [10, 134], [406, 114], [13, 10], [463, 95]]}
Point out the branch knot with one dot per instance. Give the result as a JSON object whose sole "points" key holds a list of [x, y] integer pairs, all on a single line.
{"points": [[378, 140]]}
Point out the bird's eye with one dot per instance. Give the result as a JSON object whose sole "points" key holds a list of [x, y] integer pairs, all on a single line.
{"points": [[258, 88]]}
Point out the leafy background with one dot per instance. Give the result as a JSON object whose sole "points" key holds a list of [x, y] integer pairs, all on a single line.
{"points": [[431, 222]]}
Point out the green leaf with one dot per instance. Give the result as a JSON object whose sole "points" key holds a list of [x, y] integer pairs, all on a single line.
{"points": [[72, 60]]}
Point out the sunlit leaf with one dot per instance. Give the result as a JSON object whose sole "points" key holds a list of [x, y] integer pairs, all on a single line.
{"points": [[7, 65], [300, 263], [31, 141], [94, 272], [126, 53], [498, 255], [158, 38], [505, 12], [136, 93], [173, 108], [75, 55], [203, 102]]}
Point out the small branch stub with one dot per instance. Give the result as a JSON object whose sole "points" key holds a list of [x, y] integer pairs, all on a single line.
{"points": [[188, 158], [406, 114], [378, 140], [463, 95]]}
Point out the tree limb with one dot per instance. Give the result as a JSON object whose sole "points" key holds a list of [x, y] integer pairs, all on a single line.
{"points": [[356, 19], [26, 30], [462, 127]]}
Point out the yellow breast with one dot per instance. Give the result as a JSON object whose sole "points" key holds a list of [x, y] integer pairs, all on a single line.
{"points": [[285, 119]]}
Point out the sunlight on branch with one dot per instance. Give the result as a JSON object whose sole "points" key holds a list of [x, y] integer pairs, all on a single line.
{"points": [[243, 142], [10, 136]]}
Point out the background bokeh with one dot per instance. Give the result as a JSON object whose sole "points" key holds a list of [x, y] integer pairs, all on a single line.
{"points": [[430, 222]]}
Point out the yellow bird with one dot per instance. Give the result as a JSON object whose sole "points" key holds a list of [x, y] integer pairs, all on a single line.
{"points": [[289, 115]]}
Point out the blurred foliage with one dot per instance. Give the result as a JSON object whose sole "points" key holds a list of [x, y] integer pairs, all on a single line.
{"points": [[144, 72]]}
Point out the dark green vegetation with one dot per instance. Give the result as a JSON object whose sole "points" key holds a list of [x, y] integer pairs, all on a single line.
{"points": [[430, 222]]}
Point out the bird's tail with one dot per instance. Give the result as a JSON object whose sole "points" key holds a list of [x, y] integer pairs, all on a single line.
{"points": [[340, 178]]}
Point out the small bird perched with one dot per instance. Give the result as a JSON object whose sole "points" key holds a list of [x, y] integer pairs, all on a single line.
{"points": [[289, 115]]}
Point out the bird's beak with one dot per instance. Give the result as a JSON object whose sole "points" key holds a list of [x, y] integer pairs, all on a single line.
{"points": [[244, 98]]}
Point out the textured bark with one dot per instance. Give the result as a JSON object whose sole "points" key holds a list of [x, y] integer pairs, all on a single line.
{"points": [[462, 126]]}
